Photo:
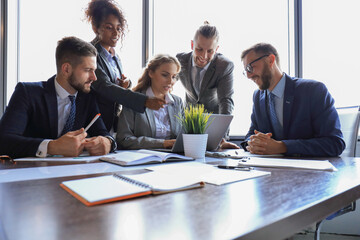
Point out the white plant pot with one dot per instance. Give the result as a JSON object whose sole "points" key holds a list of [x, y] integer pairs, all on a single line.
{"points": [[195, 145]]}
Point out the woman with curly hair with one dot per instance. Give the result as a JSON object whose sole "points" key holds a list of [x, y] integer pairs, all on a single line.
{"points": [[111, 88]]}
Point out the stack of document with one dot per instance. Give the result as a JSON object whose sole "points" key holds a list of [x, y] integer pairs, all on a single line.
{"points": [[323, 165]]}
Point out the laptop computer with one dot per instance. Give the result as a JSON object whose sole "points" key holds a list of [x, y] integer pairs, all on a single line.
{"points": [[216, 131]]}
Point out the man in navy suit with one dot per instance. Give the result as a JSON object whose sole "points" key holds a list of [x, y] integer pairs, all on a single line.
{"points": [[291, 116], [47, 118]]}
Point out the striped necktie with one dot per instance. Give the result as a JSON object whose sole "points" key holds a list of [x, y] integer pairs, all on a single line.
{"points": [[71, 119], [278, 131], [197, 80]]}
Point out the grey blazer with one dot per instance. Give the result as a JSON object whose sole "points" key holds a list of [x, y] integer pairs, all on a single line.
{"points": [[217, 86], [137, 130]]}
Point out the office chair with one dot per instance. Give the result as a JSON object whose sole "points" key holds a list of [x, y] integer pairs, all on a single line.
{"points": [[349, 120]]}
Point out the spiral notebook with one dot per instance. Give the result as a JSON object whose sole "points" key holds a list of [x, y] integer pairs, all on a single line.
{"points": [[116, 187]]}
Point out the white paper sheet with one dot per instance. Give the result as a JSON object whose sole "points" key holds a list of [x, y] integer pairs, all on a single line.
{"points": [[13, 175], [323, 165], [81, 158], [208, 173]]}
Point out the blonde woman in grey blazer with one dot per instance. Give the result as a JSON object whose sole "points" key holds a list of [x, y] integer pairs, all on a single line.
{"points": [[153, 128]]}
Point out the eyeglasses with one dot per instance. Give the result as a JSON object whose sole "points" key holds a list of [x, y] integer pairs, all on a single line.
{"points": [[249, 68]]}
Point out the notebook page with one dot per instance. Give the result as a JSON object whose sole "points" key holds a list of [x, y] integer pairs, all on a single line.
{"points": [[102, 188], [164, 181]]}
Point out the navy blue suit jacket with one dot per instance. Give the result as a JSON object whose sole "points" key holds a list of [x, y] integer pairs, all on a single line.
{"points": [[32, 116], [311, 125]]}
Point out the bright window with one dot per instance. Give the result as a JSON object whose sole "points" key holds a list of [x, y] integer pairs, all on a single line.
{"points": [[41, 29], [331, 38]]}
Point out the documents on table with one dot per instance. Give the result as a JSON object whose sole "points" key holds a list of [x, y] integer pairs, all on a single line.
{"points": [[44, 172], [142, 156], [207, 173], [85, 157], [323, 165], [122, 158]]}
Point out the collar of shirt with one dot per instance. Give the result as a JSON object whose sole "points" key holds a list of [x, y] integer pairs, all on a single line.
{"points": [[61, 92], [109, 55], [168, 98], [279, 89]]}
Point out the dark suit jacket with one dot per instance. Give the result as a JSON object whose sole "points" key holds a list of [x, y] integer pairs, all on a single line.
{"points": [[217, 86], [109, 94], [311, 124], [32, 116]]}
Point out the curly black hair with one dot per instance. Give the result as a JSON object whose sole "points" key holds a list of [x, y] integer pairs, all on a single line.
{"points": [[98, 10]]}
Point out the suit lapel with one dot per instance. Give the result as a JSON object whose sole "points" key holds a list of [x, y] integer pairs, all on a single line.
{"points": [[51, 105], [79, 116], [173, 119], [288, 104], [151, 119], [188, 70], [104, 60], [119, 65]]}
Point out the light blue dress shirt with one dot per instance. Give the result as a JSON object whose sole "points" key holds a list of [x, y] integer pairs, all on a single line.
{"points": [[110, 58]]}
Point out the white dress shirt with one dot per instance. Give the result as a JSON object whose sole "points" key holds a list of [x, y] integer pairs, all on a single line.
{"points": [[161, 116]]}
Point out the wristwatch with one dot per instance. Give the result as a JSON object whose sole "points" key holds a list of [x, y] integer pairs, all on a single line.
{"points": [[113, 143]]}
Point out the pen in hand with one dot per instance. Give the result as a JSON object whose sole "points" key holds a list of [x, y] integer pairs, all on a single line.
{"points": [[92, 122]]}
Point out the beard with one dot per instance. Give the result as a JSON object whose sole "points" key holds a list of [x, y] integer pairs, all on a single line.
{"points": [[77, 85], [265, 78]]}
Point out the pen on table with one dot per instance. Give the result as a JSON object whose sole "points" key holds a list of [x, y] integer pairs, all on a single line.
{"points": [[235, 168], [92, 122]]}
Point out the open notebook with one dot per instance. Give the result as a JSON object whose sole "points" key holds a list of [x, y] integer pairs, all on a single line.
{"points": [[98, 190], [142, 156]]}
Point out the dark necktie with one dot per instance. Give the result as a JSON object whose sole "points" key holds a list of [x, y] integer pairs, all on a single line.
{"points": [[71, 119], [273, 118], [197, 80]]}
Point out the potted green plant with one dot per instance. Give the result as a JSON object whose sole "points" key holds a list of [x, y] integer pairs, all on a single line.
{"points": [[195, 121]]}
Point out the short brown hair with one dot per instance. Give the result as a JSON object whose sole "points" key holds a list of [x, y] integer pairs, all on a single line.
{"points": [[71, 50], [145, 81], [262, 48], [207, 31]]}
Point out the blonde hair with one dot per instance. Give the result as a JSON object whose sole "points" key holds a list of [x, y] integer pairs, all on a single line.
{"points": [[145, 81]]}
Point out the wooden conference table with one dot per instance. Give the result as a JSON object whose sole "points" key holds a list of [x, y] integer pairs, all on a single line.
{"points": [[270, 207]]}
